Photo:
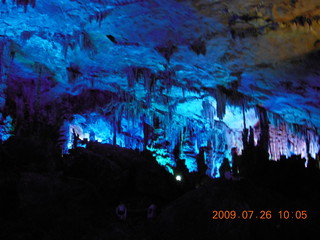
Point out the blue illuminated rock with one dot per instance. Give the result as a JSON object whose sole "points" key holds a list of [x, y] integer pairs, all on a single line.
{"points": [[163, 75]]}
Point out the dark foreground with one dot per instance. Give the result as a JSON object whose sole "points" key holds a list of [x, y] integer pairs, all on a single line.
{"points": [[45, 196]]}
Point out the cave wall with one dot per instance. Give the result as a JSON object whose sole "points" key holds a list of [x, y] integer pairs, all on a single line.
{"points": [[173, 77]]}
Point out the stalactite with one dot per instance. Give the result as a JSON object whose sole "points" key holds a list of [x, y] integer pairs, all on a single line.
{"points": [[25, 3], [7, 54], [285, 141], [199, 47], [308, 143], [251, 137], [118, 116], [73, 73], [6, 57], [168, 79], [167, 50], [65, 40], [146, 132], [274, 119], [208, 112], [244, 117], [148, 77], [86, 42], [221, 99], [132, 76], [100, 16], [264, 126]]}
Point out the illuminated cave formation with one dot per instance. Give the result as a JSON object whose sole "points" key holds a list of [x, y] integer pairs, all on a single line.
{"points": [[189, 134], [140, 75], [159, 119]]}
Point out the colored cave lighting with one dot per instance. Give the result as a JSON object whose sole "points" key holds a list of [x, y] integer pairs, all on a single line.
{"points": [[216, 136], [139, 85], [6, 127], [94, 127], [163, 157]]}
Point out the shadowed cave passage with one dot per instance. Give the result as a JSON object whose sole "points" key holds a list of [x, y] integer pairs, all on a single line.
{"points": [[134, 119], [46, 195]]}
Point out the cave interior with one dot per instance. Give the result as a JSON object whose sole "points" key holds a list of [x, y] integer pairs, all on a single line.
{"points": [[188, 106]]}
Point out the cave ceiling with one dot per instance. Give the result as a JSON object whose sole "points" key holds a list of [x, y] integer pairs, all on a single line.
{"points": [[268, 51]]}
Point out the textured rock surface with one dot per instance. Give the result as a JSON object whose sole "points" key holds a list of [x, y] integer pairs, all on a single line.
{"points": [[182, 63], [269, 47]]}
